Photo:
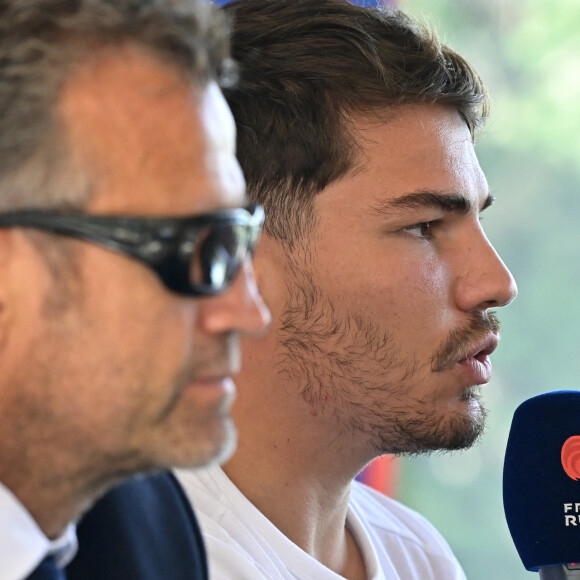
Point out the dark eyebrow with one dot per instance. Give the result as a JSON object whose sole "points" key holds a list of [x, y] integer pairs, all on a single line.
{"points": [[452, 202]]}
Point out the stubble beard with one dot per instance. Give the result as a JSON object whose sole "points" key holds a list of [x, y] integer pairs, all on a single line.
{"points": [[350, 366]]}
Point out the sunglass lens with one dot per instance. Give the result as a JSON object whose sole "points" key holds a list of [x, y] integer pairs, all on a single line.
{"points": [[219, 253]]}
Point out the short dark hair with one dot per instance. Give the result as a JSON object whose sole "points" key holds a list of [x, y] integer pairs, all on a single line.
{"points": [[308, 68], [42, 40]]}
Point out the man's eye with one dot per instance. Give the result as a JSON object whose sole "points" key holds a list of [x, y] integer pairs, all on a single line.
{"points": [[421, 230]]}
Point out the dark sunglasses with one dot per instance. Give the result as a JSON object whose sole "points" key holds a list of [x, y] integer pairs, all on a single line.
{"points": [[198, 255]]}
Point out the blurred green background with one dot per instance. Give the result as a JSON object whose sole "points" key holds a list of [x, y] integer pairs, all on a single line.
{"points": [[528, 53]]}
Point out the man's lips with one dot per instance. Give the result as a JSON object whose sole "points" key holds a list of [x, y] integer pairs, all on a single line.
{"points": [[477, 364], [483, 348]]}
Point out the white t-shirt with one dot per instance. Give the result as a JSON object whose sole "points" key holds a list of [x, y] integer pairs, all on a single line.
{"points": [[242, 544], [22, 543]]}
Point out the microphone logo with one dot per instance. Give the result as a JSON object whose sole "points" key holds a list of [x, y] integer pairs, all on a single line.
{"points": [[571, 457]]}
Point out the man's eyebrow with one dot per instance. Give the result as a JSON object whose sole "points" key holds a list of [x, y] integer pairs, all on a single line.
{"points": [[451, 202]]}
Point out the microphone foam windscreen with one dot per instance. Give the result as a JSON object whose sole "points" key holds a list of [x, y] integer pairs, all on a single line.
{"points": [[541, 479]]}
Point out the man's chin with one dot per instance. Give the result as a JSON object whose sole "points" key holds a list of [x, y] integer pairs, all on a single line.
{"points": [[214, 446], [457, 430], [466, 428]]}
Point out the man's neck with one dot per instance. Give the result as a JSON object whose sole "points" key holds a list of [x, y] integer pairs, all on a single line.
{"points": [[54, 495], [304, 495], [48, 507]]}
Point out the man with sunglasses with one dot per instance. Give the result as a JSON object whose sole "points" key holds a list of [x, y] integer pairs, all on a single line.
{"points": [[355, 130], [125, 269]]}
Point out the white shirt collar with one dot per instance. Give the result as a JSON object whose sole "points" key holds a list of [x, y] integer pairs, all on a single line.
{"points": [[23, 545]]}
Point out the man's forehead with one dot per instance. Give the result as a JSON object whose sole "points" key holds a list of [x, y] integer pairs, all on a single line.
{"points": [[422, 155], [134, 123], [410, 120], [110, 84]]}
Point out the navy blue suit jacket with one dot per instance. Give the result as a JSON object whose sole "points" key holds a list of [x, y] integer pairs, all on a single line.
{"points": [[143, 529]]}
